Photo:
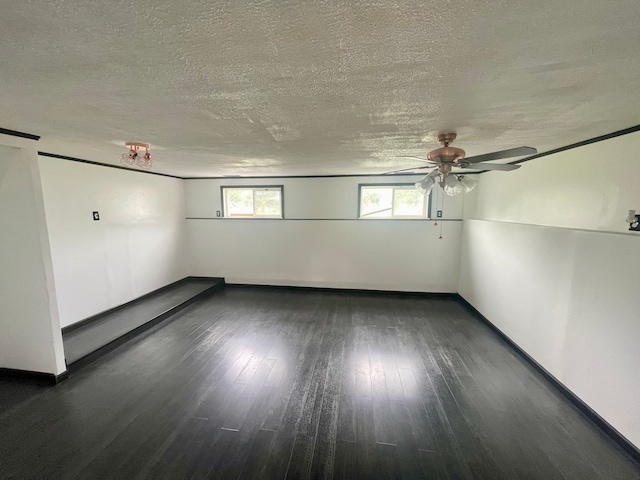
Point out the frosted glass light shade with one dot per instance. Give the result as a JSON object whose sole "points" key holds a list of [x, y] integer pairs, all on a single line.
{"points": [[468, 184], [452, 185], [425, 185]]}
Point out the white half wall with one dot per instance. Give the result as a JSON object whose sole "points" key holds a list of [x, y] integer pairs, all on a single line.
{"points": [[569, 299], [547, 257], [30, 337], [373, 255], [321, 243], [137, 245]]}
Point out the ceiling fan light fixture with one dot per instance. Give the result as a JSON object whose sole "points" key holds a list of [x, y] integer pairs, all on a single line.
{"points": [[468, 183], [425, 185], [452, 186]]}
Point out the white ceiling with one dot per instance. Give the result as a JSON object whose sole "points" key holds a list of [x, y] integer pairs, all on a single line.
{"points": [[314, 87]]}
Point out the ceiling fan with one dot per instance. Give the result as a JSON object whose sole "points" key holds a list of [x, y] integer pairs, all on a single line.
{"points": [[445, 158]]}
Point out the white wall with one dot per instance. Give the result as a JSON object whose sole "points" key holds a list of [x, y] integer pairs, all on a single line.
{"points": [[321, 243], [136, 247], [30, 337], [547, 258]]}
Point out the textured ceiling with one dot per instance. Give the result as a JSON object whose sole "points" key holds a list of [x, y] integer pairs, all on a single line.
{"points": [[266, 88]]}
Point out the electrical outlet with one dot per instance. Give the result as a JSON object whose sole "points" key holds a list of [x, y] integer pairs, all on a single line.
{"points": [[217, 213], [96, 216], [439, 213]]}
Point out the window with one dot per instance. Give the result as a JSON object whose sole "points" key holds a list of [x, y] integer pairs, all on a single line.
{"points": [[252, 202], [392, 201]]}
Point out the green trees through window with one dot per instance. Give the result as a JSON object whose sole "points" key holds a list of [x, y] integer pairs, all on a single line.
{"points": [[252, 202]]}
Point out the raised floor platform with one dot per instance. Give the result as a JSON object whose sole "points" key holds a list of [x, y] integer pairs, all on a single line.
{"points": [[86, 339]]}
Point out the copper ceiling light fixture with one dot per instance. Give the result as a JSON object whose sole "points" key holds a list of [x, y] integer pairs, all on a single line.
{"points": [[133, 157]]}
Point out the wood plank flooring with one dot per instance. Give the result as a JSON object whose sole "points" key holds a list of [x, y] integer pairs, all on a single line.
{"points": [[88, 338], [254, 383]]}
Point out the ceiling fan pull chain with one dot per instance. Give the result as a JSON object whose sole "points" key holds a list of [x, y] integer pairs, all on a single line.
{"points": [[437, 206], [441, 220]]}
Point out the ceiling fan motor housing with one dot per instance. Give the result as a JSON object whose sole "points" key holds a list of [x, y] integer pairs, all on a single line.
{"points": [[446, 155]]}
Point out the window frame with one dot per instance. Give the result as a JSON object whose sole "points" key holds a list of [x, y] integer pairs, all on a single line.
{"points": [[426, 206], [223, 201]]}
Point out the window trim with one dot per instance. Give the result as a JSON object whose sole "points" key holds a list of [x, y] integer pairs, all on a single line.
{"points": [[253, 187], [403, 184]]}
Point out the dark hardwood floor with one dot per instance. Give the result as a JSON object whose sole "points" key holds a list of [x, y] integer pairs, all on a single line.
{"points": [[89, 337], [255, 383]]}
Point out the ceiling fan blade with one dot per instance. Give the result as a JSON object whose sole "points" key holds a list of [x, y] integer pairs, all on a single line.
{"points": [[506, 167], [512, 152], [406, 170], [416, 158]]}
